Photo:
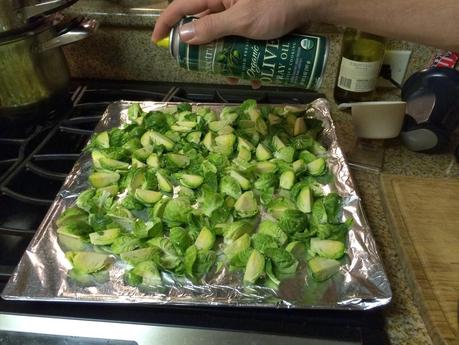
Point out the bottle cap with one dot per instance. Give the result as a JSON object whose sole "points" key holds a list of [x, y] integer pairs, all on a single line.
{"points": [[164, 43]]}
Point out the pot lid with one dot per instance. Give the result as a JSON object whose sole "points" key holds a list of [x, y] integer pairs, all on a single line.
{"points": [[19, 19], [30, 26], [33, 28]]}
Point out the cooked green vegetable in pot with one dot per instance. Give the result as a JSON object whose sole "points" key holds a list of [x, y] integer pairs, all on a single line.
{"points": [[188, 193]]}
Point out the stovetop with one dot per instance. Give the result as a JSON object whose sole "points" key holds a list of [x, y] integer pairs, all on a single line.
{"points": [[35, 161]]}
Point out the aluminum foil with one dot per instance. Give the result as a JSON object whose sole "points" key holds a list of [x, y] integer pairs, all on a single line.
{"points": [[361, 284]]}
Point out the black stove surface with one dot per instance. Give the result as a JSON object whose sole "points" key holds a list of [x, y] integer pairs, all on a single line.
{"points": [[33, 167]]}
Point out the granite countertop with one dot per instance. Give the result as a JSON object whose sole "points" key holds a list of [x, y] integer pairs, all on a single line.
{"points": [[404, 322], [130, 26]]}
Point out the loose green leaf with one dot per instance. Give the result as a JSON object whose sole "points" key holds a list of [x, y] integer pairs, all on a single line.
{"points": [[230, 187], [270, 228]]}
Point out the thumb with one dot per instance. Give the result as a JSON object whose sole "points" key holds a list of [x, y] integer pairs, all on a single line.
{"points": [[208, 28]]}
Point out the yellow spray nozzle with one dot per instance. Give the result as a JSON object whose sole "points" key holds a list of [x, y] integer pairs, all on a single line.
{"points": [[164, 43]]}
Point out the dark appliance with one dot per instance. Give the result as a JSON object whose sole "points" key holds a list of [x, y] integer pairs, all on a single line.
{"points": [[432, 97]]}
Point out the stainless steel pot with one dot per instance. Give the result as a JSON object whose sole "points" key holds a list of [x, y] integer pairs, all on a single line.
{"points": [[33, 68], [15, 15]]}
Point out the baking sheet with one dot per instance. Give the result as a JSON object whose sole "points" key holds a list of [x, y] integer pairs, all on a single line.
{"points": [[361, 284]]}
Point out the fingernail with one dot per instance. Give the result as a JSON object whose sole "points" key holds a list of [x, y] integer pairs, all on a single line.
{"points": [[187, 32]]}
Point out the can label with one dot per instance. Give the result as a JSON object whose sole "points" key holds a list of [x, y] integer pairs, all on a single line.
{"points": [[293, 60]]}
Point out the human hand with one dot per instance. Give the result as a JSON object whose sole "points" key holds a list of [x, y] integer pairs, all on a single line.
{"points": [[256, 19]]}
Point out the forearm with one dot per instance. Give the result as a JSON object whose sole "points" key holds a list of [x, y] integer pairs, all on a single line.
{"points": [[434, 23]]}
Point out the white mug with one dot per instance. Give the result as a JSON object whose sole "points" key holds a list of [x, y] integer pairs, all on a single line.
{"points": [[377, 120]]}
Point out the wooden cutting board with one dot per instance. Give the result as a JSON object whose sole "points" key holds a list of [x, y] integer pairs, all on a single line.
{"points": [[424, 217]]}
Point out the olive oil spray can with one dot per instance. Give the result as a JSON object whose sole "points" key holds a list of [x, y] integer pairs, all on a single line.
{"points": [[294, 60]]}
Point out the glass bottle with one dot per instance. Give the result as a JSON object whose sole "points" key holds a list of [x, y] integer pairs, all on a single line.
{"points": [[362, 56]]}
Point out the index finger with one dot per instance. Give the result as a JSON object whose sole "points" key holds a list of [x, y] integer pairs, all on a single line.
{"points": [[179, 9]]}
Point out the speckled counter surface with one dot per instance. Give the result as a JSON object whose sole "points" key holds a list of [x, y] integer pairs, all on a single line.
{"points": [[122, 50], [404, 323]]}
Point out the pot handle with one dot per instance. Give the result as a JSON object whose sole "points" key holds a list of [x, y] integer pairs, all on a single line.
{"points": [[46, 7], [75, 31]]}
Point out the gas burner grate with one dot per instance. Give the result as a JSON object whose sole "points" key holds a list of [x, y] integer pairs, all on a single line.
{"points": [[14, 150], [52, 166], [34, 166]]}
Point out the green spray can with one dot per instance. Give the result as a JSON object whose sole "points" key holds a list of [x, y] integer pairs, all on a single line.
{"points": [[295, 59]]}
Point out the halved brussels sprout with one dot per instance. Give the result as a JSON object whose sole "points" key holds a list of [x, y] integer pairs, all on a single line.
{"points": [[148, 197], [287, 180], [135, 163], [164, 183], [304, 200], [141, 154], [101, 179], [191, 181], [246, 206], [263, 153], [239, 245], [209, 141], [323, 268], [137, 256], [179, 161], [265, 167], [298, 166], [243, 182], [317, 167], [112, 189], [244, 154], [270, 228], [243, 143], [205, 239], [255, 267], [194, 137], [153, 161], [286, 154], [300, 126], [88, 262], [277, 143], [104, 237], [102, 140], [327, 248]]}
